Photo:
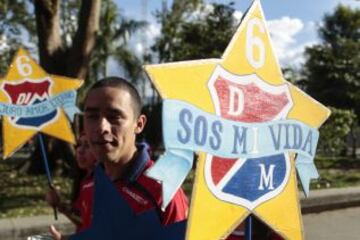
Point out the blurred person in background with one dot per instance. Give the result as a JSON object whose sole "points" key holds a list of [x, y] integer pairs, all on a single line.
{"points": [[82, 187]]}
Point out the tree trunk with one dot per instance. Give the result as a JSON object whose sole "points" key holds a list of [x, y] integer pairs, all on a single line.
{"points": [[50, 45], [79, 54], [55, 58]]}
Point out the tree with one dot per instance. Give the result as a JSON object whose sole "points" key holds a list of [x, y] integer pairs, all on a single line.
{"points": [[56, 57], [195, 31], [334, 132], [67, 38], [112, 42], [14, 19], [332, 68], [294, 76], [171, 24]]}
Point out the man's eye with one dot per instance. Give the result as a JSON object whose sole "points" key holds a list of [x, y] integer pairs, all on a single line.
{"points": [[115, 117], [114, 120]]}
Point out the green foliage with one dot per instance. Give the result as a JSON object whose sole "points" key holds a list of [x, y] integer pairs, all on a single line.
{"points": [[334, 132], [340, 163], [337, 178], [336, 172], [112, 42], [17, 27], [15, 20], [22, 194], [341, 26], [69, 20], [5, 59], [332, 68], [171, 21], [293, 75], [15, 17], [202, 31]]}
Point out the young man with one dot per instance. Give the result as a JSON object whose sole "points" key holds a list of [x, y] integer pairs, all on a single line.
{"points": [[112, 120]]}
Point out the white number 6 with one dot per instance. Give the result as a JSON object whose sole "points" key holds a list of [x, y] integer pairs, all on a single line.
{"points": [[253, 41], [23, 66]]}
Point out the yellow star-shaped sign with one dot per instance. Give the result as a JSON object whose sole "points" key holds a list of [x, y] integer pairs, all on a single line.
{"points": [[33, 101], [249, 52]]}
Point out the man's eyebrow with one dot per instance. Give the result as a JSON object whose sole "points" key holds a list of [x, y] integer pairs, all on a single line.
{"points": [[109, 110], [115, 111]]}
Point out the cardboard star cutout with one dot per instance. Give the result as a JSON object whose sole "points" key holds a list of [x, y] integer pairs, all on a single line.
{"points": [[245, 86], [113, 218], [33, 101]]}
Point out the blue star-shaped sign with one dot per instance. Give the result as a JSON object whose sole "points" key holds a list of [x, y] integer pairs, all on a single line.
{"points": [[113, 218]]}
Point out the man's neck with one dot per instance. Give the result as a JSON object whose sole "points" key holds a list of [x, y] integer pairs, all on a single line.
{"points": [[113, 170], [116, 170]]}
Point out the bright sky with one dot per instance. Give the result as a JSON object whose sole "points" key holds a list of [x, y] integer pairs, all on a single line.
{"points": [[292, 23]]}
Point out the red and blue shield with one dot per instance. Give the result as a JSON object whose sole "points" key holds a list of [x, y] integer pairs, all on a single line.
{"points": [[29, 93], [247, 181]]}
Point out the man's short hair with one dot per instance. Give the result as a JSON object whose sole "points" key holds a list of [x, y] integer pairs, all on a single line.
{"points": [[123, 84]]}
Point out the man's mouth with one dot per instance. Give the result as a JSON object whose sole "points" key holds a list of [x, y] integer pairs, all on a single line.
{"points": [[104, 143]]}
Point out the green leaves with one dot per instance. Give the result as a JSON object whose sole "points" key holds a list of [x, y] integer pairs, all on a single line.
{"points": [[332, 68], [24, 195], [334, 132], [195, 31], [111, 42]]}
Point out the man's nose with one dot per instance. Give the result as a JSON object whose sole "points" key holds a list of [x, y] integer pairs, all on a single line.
{"points": [[105, 126]]}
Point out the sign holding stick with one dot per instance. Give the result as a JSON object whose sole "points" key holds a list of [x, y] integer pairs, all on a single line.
{"points": [[46, 165]]}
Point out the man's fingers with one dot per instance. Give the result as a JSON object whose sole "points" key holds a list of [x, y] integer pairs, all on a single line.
{"points": [[55, 233], [52, 197]]}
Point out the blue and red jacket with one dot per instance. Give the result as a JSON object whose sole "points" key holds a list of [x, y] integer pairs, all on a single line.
{"points": [[141, 192]]}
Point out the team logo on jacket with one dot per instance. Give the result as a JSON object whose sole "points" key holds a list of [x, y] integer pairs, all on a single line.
{"points": [[247, 181], [28, 93]]}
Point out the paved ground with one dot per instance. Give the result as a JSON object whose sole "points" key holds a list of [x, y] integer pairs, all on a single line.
{"points": [[333, 225], [342, 224], [338, 218]]}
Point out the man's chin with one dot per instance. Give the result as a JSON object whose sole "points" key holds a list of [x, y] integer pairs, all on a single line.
{"points": [[107, 157]]}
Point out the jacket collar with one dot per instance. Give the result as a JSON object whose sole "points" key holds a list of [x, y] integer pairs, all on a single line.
{"points": [[138, 163]]}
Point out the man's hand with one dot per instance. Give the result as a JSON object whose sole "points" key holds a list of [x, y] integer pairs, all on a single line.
{"points": [[52, 197], [55, 233]]}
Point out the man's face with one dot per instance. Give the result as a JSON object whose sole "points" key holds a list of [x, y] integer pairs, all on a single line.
{"points": [[111, 125]]}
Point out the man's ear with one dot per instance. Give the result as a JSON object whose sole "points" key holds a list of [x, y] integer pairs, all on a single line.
{"points": [[140, 124]]}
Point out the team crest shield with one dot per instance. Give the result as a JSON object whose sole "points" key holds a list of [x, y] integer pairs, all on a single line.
{"points": [[29, 93], [247, 181]]}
